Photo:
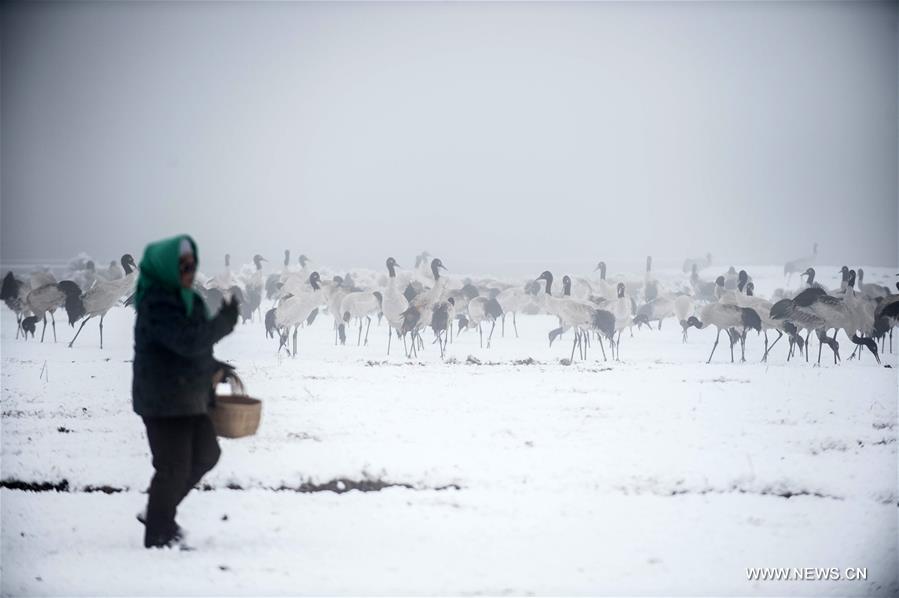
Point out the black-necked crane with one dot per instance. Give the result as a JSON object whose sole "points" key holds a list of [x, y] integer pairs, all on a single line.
{"points": [[800, 264], [253, 283], [442, 322], [13, 293], [361, 305], [418, 315], [98, 299], [655, 310], [225, 279], [763, 308], [832, 312], [335, 291], [43, 299], [864, 309], [809, 275], [622, 309], [726, 316], [578, 315], [512, 301], [394, 304], [483, 309], [684, 307], [293, 310], [275, 280], [605, 288]]}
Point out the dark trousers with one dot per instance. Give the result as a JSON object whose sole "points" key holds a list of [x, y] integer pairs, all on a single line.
{"points": [[184, 449]]}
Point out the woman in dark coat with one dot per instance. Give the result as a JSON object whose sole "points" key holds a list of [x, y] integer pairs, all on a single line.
{"points": [[174, 373]]}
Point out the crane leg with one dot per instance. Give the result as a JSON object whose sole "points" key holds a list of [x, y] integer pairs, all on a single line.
{"points": [[389, 338], [743, 347], [502, 331], [367, 326], [515, 326], [603, 350], [53, 321], [767, 347], [44, 329], [359, 338], [731, 337], [573, 345], [295, 330], [807, 334], [618, 347], [660, 323], [715, 346], [101, 330], [18, 325], [821, 337], [481, 334], [79, 330], [490, 338]]}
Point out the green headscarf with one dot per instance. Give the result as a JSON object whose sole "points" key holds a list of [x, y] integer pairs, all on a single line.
{"points": [[159, 267]]}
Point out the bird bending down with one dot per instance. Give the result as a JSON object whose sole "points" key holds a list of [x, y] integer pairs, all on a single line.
{"points": [[482, 309], [581, 316], [725, 316]]}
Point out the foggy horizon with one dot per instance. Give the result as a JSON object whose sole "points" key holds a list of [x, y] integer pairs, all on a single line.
{"points": [[492, 135]]}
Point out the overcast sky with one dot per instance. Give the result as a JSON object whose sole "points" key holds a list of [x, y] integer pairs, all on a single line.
{"points": [[490, 134]]}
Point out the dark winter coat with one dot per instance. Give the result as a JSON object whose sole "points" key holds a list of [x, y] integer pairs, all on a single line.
{"points": [[173, 363]]}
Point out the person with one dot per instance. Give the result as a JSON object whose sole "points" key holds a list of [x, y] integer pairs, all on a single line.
{"points": [[174, 377]]}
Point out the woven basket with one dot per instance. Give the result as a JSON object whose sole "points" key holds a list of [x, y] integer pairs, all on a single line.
{"points": [[236, 415]]}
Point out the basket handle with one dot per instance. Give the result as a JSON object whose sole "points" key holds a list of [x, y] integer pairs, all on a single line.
{"points": [[237, 385]]}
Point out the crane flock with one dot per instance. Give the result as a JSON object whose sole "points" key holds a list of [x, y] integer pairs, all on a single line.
{"points": [[427, 301]]}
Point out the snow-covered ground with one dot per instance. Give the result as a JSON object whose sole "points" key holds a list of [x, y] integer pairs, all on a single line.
{"points": [[516, 475]]}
